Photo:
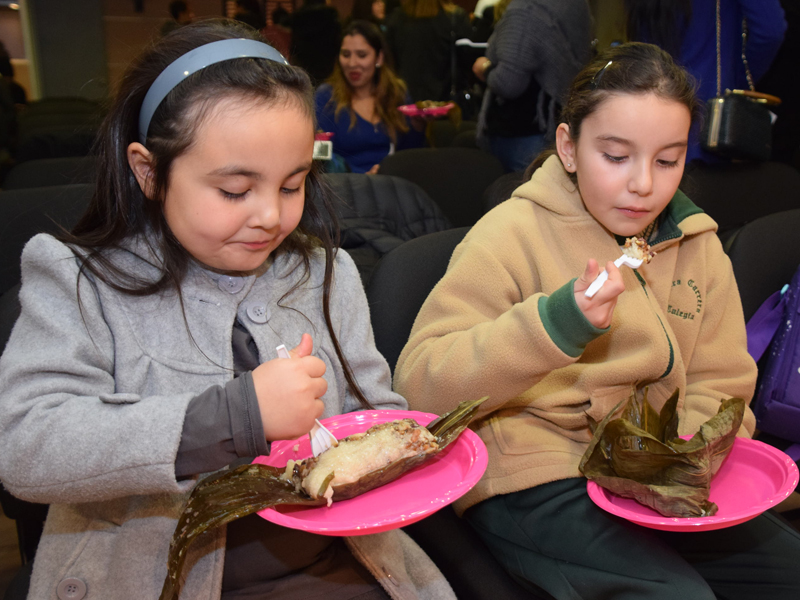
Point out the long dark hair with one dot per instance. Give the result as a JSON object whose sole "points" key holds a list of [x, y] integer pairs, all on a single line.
{"points": [[389, 89], [119, 210], [632, 68], [659, 22]]}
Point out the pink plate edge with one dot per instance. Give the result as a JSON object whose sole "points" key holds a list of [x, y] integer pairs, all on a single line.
{"points": [[600, 497], [478, 455]]}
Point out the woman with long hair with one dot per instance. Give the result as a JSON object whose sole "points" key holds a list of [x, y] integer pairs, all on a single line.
{"points": [[358, 103]]}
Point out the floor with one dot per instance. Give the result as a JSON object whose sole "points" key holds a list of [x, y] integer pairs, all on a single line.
{"points": [[9, 552]]}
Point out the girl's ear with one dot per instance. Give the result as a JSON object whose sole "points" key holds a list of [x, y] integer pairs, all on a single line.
{"points": [[565, 146], [379, 59], [139, 160]]}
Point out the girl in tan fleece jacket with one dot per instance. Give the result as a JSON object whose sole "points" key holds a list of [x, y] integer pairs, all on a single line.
{"points": [[510, 320]]}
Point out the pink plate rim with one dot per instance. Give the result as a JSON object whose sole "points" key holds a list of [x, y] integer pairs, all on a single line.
{"points": [[468, 447], [601, 497]]}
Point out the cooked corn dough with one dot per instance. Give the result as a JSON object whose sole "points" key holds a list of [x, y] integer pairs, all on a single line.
{"points": [[363, 453]]}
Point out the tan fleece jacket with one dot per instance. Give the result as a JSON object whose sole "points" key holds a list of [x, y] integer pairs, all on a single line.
{"points": [[503, 322]]}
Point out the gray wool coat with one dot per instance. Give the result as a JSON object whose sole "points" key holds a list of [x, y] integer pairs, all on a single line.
{"points": [[93, 401]]}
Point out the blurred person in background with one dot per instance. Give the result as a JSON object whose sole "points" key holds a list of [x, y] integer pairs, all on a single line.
{"points": [[181, 14], [686, 29], [421, 35], [278, 33], [373, 11], [537, 48], [249, 12], [358, 104], [316, 32]]}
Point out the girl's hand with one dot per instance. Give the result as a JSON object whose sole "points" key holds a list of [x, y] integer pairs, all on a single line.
{"points": [[373, 171], [289, 392], [599, 309]]}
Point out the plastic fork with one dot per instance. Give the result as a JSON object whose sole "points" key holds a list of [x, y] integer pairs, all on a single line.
{"points": [[633, 263], [321, 439]]}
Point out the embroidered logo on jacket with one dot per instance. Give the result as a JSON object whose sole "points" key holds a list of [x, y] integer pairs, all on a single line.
{"points": [[687, 309]]}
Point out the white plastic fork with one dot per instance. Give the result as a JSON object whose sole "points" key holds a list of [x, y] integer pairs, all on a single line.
{"points": [[633, 263], [321, 439]]}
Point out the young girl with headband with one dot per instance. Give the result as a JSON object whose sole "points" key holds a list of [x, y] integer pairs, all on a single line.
{"points": [[145, 353], [511, 319]]}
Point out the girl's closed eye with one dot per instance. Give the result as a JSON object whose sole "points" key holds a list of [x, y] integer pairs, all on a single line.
{"points": [[233, 195], [290, 191], [668, 164], [614, 159]]}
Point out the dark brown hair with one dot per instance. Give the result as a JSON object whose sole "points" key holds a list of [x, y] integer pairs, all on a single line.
{"points": [[389, 90], [632, 68], [119, 210]]}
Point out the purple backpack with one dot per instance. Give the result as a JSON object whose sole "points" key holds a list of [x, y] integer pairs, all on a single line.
{"points": [[775, 328]]}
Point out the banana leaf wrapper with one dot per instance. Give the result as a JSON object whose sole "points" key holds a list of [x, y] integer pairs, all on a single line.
{"points": [[236, 492], [639, 455]]}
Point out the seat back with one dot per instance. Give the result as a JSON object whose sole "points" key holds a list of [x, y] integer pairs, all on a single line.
{"points": [[378, 213], [765, 254], [735, 194], [400, 284], [46, 172], [23, 214], [454, 177], [26, 212]]}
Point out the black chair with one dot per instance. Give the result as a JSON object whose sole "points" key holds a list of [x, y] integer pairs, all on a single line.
{"points": [[501, 189], [378, 213], [454, 177], [46, 172], [24, 213], [399, 285], [442, 132], [56, 127], [735, 194], [765, 254]]}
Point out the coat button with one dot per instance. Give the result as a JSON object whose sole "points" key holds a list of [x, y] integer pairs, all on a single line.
{"points": [[258, 313], [71, 588], [232, 285]]}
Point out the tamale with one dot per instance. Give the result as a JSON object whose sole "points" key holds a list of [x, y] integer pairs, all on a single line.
{"points": [[639, 455], [236, 492]]}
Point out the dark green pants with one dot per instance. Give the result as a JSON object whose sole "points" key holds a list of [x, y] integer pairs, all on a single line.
{"points": [[554, 538]]}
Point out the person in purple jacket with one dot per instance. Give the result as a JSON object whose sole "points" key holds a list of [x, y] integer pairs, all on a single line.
{"points": [[687, 30]]}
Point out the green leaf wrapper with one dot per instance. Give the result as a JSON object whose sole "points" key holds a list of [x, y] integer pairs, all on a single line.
{"points": [[237, 492], [639, 455]]}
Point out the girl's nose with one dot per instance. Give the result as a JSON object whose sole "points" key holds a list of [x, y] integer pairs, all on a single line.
{"points": [[641, 180], [266, 214]]}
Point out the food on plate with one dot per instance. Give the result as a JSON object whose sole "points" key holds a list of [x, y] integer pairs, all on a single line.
{"points": [[364, 461], [392, 449], [638, 248], [423, 104], [639, 455]]}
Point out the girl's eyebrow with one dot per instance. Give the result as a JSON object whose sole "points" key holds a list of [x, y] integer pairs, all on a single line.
{"points": [[624, 142], [237, 171]]}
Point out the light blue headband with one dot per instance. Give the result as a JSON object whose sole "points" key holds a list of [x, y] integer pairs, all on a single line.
{"points": [[193, 61]]}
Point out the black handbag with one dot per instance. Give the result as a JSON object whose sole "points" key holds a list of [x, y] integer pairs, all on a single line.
{"points": [[738, 124]]}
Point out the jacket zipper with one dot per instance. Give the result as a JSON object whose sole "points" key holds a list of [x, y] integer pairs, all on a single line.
{"points": [[779, 391], [660, 322]]}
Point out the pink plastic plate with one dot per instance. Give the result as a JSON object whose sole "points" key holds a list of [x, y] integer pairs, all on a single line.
{"points": [[754, 478], [412, 110], [417, 494]]}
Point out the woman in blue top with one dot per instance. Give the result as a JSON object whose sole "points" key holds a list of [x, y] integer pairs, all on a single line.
{"points": [[358, 104]]}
